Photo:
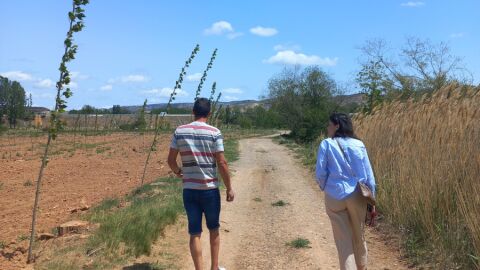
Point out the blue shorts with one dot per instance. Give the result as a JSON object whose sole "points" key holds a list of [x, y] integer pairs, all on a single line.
{"points": [[196, 203]]}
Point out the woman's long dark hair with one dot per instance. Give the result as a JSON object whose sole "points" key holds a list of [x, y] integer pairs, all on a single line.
{"points": [[345, 126]]}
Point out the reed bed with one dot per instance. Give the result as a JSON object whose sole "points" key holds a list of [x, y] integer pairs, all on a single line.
{"points": [[426, 157]]}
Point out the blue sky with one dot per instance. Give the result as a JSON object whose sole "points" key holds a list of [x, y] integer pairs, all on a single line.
{"points": [[132, 50]]}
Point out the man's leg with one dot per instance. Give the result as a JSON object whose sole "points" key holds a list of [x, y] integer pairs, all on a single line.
{"points": [[194, 214], [214, 247], [196, 251], [211, 207]]}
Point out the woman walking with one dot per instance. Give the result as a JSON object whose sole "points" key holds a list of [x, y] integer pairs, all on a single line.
{"points": [[344, 173]]}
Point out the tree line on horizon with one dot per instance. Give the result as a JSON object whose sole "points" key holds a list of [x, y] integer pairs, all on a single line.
{"points": [[301, 98]]}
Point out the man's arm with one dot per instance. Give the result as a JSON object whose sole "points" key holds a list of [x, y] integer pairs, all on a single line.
{"points": [[172, 162], [224, 172]]}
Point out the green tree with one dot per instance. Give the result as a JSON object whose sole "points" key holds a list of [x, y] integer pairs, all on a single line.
{"points": [[423, 67], [303, 100], [178, 85], [117, 109], [375, 84], [87, 109], [258, 117], [205, 73], [12, 100], [227, 120], [140, 123], [76, 24]]}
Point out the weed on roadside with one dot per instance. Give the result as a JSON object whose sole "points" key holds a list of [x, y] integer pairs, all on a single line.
{"points": [[299, 243], [280, 203]]}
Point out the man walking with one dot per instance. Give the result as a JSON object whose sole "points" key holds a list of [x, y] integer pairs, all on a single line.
{"points": [[201, 150]]}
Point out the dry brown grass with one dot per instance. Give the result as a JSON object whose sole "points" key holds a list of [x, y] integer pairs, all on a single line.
{"points": [[426, 155]]}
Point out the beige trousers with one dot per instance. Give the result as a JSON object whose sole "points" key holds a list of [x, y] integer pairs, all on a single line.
{"points": [[348, 223]]}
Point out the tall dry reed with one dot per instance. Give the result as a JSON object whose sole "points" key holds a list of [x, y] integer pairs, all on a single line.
{"points": [[426, 156]]}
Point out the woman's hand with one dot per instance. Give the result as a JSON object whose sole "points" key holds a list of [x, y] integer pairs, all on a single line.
{"points": [[373, 216]]}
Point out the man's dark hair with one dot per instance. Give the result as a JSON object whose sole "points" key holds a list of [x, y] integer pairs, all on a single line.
{"points": [[345, 126], [201, 107]]}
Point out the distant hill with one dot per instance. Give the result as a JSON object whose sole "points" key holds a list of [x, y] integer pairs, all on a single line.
{"points": [[244, 104], [351, 99]]}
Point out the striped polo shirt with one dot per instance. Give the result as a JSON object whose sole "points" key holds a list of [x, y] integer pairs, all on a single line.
{"points": [[197, 144]]}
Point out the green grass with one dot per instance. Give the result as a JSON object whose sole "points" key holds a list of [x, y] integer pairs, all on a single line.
{"points": [[99, 212], [27, 183], [258, 199], [128, 227], [231, 150], [279, 203], [137, 226], [237, 133], [149, 266], [61, 265], [299, 243], [101, 150], [88, 145], [23, 237], [306, 152]]}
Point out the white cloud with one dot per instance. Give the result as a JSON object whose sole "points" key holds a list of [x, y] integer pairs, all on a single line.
{"points": [[289, 57], [234, 35], [17, 76], [413, 4], [457, 35], [72, 85], [74, 75], [129, 78], [287, 47], [264, 31], [134, 78], [219, 28], [165, 92], [42, 96], [45, 83], [230, 98], [39, 82], [232, 91], [106, 87], [222, 28], [195, 77]]}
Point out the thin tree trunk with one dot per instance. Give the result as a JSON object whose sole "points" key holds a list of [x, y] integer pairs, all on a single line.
{"points": [[96, 121], [85, 135], [75, 131], [37, 198]]}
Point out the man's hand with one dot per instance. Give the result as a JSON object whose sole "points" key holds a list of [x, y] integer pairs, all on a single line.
{"points": [[179, 173], [230, 195], [223, 169], [172, 162]]}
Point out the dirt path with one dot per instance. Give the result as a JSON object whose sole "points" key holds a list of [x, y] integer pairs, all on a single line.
{"points": [[254, 233]]}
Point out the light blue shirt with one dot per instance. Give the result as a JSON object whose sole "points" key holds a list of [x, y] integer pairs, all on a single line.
{"points": [[338, 177]]}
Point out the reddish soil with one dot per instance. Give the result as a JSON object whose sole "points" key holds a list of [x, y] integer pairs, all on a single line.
{"points": [[98, 167]]}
